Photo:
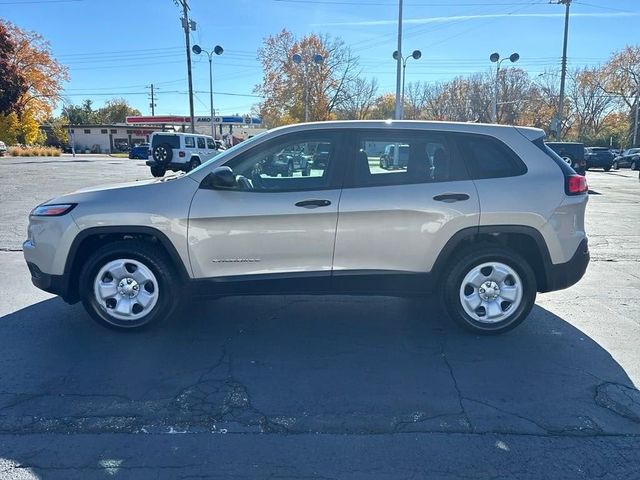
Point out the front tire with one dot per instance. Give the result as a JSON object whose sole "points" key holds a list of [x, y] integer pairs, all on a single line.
{"points": [[489, 290], [615, 165], [633, 165], [194, 163], [606, 169], [128, 284]]}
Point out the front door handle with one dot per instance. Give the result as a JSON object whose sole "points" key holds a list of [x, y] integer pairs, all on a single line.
{"points": [[313, 203], [451, 197]]}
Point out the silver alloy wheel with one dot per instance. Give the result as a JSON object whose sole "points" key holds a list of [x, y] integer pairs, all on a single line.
{"points": [[126, 289], [491, 292]]}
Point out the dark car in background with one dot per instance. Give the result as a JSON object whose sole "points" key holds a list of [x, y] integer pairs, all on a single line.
{"points": [[571, 152], [599, 157], [321, 155], [140, 151], [286, 162], [629, 158]]}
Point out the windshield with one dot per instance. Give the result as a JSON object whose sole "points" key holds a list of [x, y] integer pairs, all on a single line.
{"points": [[227, 154]]}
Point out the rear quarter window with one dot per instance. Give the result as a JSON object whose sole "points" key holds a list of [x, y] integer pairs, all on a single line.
{"points": [[487, 157], [172, 140]]}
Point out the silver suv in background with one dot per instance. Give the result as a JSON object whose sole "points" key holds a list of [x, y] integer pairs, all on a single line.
{"points": [[179, 151], [484, 215]]}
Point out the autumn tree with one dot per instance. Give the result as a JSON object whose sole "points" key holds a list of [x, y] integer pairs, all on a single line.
{"points": [[12, 83], [358, 99], [622, 79], [288, 86], [42, 78], [384, 107]]}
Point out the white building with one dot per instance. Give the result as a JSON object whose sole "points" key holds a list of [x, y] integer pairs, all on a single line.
{"points": [[108, 138]]}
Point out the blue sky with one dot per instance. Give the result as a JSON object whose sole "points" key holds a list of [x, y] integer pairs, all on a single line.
{"points": [[115, 48]]}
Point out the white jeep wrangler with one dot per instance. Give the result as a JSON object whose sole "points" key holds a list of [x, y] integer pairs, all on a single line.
{"points": [[179, 151]]}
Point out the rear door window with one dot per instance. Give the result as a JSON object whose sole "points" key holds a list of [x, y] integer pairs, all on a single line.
{"points": [[189, 142], [396, 158], [487, 157], [201, 142]]}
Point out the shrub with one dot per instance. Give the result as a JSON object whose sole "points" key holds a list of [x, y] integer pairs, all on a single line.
{"points": [[35, 151]]}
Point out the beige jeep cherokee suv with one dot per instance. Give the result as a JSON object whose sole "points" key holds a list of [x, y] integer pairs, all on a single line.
{"points": [[486, 215]]}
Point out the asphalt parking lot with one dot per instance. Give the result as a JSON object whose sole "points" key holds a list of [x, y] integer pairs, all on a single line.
{"points": [[320, 387]]}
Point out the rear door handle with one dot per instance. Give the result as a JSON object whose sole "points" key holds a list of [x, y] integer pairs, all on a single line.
{"points": [[313, 203], [451, 197]]}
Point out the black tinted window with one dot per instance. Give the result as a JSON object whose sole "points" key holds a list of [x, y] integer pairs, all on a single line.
{"points": [[201, 143], [487, 157], [171, 140], [189, 142], [210, 144]]}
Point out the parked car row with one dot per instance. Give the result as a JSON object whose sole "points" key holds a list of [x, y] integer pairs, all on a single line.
{"points": [[583, 158]]}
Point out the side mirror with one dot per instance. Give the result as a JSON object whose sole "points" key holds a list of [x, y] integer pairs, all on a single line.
{"points": [[220, 178]]}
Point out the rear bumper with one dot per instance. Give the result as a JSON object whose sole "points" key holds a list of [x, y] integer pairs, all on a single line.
{"points": [[169, 166], [564, 275], [599, 163]]}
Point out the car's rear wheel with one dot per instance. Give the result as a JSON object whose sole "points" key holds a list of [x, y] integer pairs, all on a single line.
{"points": [[128, 284], [606, 169], [158, 171], [306, 171], [289, 169], [489, 290]]}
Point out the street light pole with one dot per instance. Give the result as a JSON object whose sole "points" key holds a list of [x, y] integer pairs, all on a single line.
{"points": [[398, 114], [317, 59], [495, 58], [217, 50], [563, 75], [415, 55]]}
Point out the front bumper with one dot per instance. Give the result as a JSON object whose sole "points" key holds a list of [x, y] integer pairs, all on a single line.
{"points": [[564, 275], [55, 284]]}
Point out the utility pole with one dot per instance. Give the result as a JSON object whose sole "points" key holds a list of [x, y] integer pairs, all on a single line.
{"points": [[635, 124], [186, 24], [153, 101], [563, 75], [398, 114]]}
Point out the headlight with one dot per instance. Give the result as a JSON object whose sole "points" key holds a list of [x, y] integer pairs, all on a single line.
{"points": [[53, 210]]}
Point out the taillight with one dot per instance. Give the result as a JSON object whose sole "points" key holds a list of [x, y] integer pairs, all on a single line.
{"points": [[576, 185], [181, 154]]}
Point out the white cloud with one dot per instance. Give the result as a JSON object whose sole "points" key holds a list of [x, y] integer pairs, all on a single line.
{"points": [[453, 18]]}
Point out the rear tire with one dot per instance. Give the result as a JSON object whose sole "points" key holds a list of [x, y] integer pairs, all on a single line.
{"points": [[129, 284], [633, 165], [606, 169], [158, 171], [489, 290]]}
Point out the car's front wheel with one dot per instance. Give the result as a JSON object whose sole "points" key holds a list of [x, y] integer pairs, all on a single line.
{"points": [[489, 290], [128, 284], [606, 169], [614, 165], [194, 163], [633, 165]]}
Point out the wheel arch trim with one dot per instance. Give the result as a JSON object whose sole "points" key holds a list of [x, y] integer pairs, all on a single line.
{"points": [[87, 233], [452, 246]]}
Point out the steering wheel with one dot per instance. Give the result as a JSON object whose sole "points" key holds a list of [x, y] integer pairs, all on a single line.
{"points": [[244, 183]]}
